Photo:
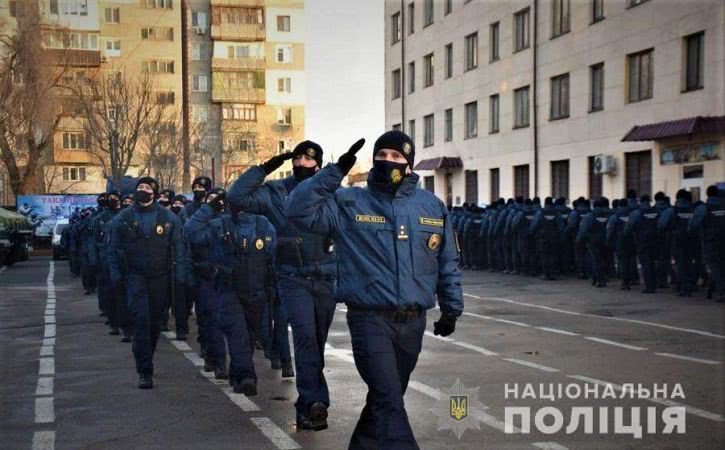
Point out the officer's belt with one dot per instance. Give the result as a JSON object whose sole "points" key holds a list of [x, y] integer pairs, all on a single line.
{"points": [[395, 315]]}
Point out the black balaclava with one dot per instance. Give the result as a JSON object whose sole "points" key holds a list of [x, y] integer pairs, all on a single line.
{"points": [[219, 203], [389, 174], [130, 196], [112, 203], [200, 186], [176, 209], [169, 194], [102, 200], [143, 196], [311, 149]]}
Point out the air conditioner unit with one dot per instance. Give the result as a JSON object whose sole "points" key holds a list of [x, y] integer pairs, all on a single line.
{"points": [[604, 164]]}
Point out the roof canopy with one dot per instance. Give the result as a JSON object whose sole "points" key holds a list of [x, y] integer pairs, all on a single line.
{"points": [[674, 128], [443, 162]]}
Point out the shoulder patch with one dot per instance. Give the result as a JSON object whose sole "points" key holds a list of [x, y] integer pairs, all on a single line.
{"points": [[431, 222], [369, 219]]}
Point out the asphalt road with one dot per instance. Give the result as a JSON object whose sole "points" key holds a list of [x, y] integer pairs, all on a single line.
{"points": [[66, 384]]}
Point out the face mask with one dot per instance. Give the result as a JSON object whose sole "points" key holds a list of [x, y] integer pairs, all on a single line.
{"points": [[125, 205], [111, 203], [302, 172], [164, 202], [199, 195], [388, 173], [176, 209], [143, 196]]}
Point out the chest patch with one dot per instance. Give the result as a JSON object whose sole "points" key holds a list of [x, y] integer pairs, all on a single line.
{"points": [[369, 219], [159, 229], [434, 241], [431, 222]]}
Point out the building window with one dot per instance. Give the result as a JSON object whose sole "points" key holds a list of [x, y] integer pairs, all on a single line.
{"points": [[427, 13], [284, 116], [74, 174], [284, 85], [74, 141], [595, 181], [472, 187], [283, 23], [411, 129], [449, 125], [411, 77], [53, 5], [597, 10], [449, 61], [112, 15], [395, 27], [640, 75], [448, 7], [113, 48], [167, 4], [430, 183], [521, 107], [75, 7], [196, 51], [521, 181], [638, 172], [471, 120], [596, 87], [157, 33], [198, 21], [494, 42], [560, 18], [521, 30], [165, 98], [199, 83], [559, 97], [495, 185], [200, 114], [396, 83], [239, 112], [284, 54], [428, 130], [428, 70], [411, 18], [560, 179], [471, 51], [493, 114], [694, 61]]}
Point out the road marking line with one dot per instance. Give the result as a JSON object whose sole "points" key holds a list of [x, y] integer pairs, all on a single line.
{"points": [[689, 358], [49, 330], [194, 358], [556, 330], [47, 366], [513, 322], [475, 348], [2, 269], [45, 386], [690, 409], [44, 412], [47, 350], [531, 364], [480, 316], [549, 446], [169, 334], [440, 338], [49, 318], [44, 440], [620, 319], [49, 341], [616, 344], [180, 345], [274, 433], [240, 400]]}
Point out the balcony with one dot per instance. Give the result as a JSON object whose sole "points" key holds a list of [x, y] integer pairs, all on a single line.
{"points": [[237, 64], [238, 32], [223, 94], [244, 3], [75, 57]]}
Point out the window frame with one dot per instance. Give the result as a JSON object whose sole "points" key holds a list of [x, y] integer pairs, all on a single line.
{"points": [[519, 91], [592, 88], [526, 35], [559, 85], [448, 125], [650, 75], [428, 130], [470, 130], [494, 42], [471, 48], [494, 113], [428, 70], [700, 84]]}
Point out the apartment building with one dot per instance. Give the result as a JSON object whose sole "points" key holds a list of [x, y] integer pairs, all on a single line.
{"points": [[558, 97]]}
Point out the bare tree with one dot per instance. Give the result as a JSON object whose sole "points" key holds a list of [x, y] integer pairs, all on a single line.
{"points": [[163, 160], [29, 112]]}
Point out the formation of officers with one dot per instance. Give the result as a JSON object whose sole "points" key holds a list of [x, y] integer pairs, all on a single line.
{"points": [[269, 253], [633, 239]]}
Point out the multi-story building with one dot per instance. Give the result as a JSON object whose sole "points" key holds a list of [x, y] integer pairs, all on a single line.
{"points": [[558, 97], [247, 83]]}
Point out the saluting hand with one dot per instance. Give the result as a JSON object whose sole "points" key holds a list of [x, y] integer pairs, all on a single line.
{"points": [[275, 162], [347, 160]]}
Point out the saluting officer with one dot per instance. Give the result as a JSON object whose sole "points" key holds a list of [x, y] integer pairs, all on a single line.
{"points": [[396, 254], [144, 239]]}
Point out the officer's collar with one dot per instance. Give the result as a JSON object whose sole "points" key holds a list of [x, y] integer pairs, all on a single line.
{"points": [[290, 183], [140, 208], [406, 188]]}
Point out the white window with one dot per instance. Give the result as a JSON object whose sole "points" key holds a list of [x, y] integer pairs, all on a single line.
{"points": [[113, 48], [198, 83], [284, 85], [198, 20], [195, 51], [168, 4], [74, 141], [284, 116], [200, 114], [113, 15], [237, 51], [74, 174], [284, 54], [283, 23]]}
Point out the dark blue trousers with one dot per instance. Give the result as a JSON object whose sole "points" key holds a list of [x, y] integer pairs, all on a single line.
{"points": [[239, 324], [275, 340], [385, 353], [146, 298], [310, 307]]}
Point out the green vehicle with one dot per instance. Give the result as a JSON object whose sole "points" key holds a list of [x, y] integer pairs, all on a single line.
{"points": [[15, 234]]}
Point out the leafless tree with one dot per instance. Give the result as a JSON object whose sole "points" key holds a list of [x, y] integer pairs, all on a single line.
{"points": [[162, 158]]}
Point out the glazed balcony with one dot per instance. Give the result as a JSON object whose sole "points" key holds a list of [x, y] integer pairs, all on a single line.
{"points": [[237, 64], [239, 3], [75, 57], [244, 32]]}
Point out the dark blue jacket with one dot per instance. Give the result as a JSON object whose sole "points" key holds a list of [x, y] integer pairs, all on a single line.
{"points": [[394, 251]]}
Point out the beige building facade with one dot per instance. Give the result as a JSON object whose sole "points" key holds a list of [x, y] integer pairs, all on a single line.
{"points": [[534, 98]]}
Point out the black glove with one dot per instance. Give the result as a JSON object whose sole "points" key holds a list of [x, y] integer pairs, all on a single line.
{"points": [[275, 162], [446, 325], [217, 204], [347, 160]]}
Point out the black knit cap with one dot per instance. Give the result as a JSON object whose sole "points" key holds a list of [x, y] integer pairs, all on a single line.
{"points": [[168, 193], [180, 198], [151, 182], [396, 140], [309, 148], [115, 192], [202, 181]]}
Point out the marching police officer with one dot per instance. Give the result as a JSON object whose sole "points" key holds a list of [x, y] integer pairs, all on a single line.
{"points": [[306, 271], [144, 239], [165, 197], [708, 222], [396, 254], [674, 224], [642, 225], [547, 226], [593, 233]]}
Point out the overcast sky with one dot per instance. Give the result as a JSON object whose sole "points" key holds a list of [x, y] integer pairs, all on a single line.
{"points": [[344, 55]]}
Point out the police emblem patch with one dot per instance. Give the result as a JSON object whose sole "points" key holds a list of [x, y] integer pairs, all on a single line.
{"points": [[311, 152], [395, 176], [434, 241], [407, 148], [159, 229], [459, 407], [259, 243]]}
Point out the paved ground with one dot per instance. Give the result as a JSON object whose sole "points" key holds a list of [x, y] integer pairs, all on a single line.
{"points": [[64, 381]]}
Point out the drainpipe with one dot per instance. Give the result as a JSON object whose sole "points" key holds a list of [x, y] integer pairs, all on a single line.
{"points": [[402, 67], [535, 99]]}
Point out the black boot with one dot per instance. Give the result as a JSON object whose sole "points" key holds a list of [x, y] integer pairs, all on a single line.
{"points": [[247, 386], [287, 370], [114, 331], [276, 364], [315, 419], [221, 374], [145, 381]]}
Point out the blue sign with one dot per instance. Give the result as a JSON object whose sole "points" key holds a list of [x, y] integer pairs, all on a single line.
{"points": [[44, 210]]}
